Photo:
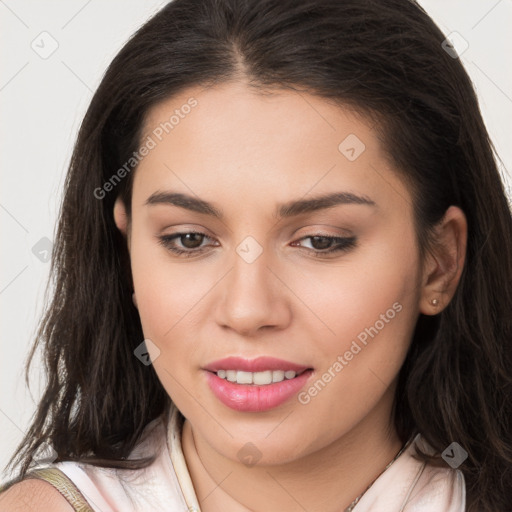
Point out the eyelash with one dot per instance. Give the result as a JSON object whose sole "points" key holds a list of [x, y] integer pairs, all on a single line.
{"points": [[344, 244]]}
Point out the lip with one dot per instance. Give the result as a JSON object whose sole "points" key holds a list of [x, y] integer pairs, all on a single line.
{"points": [[260, 364], [252, 397]]}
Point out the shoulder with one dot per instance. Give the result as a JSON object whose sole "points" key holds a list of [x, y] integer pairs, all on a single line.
{"points": [[436, 488], [74, 485], [410, 484], [439, 489], [33, 495]]}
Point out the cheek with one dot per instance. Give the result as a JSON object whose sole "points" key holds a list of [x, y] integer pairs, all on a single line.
{"points": [[368, 305], [172, 298], [167, 298], [166, 292], [350, 293]]}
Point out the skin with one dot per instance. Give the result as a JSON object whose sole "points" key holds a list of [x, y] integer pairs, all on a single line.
{"points": [[246, 153], [33, 495]]}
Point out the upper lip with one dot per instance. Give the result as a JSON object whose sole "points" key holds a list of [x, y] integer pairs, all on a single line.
{"points": [[258, 364]]}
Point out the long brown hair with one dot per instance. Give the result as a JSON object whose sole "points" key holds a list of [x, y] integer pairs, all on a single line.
{"points": [[384, 59]]}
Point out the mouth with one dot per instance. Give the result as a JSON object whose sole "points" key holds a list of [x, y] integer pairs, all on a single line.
{"points": [[255, 385], [263, 378]]}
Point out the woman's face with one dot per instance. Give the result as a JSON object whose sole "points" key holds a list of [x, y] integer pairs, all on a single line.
{"points": [[328, 289]]}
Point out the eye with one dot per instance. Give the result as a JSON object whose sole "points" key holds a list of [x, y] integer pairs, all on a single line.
{"points": [[190, 242], [321, 245]]}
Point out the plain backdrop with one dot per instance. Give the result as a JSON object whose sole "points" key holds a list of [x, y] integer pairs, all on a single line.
{"points": [[43, 98]]}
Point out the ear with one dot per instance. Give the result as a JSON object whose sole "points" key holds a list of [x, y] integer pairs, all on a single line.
{"points": [[120, 218], [444, 262]]}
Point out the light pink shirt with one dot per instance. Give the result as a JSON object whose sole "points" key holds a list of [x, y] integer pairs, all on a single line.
{"points": [[406, 486]]}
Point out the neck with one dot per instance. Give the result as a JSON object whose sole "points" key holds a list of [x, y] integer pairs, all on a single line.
{"points": [[356, 459]]}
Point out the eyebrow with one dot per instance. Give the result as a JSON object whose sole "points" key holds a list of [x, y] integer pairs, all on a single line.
{"points": [[289, 209]]}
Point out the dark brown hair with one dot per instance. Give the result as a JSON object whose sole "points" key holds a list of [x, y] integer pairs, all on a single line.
{"points": [[384, 59]]}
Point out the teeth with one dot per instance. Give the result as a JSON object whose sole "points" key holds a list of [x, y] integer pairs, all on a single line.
{"points": [[257, 378], [261, 378], [277, 375], [243, 377]]}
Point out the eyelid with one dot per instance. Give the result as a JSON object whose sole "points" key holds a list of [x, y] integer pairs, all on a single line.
{"points": [[327, 230], [343, 245]]}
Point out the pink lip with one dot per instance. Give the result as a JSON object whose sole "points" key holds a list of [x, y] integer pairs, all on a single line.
{"points": [[250, 397], [260, 364]]}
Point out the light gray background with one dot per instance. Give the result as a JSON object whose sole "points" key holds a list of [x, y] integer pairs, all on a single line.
{"points": [[42, 101]]}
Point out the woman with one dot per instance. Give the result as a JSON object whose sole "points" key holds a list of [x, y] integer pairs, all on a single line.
{"points": [[282, 274]]}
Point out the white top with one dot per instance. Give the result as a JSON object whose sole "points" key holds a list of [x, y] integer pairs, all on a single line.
{"points": [[407, 485]]}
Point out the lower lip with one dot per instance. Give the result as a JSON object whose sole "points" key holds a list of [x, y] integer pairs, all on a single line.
{"points": [[252, 398]]}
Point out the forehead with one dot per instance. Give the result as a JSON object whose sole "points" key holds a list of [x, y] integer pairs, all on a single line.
{"points": [[254, 115], [281, 142]]}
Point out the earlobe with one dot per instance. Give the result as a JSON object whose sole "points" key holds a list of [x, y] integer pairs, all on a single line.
{"points": [[445, 262], [120, 216]]}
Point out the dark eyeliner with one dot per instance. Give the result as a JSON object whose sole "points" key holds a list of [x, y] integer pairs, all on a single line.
{"points": [[344, 244], [166, 241]]}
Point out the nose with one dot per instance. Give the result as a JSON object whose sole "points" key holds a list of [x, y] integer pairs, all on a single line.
{"points": [[251, 297]]}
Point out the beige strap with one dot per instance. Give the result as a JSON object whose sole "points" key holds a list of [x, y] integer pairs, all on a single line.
{"points": [[64, 485]]}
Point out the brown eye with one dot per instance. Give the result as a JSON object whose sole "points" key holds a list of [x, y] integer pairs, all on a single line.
{"points": [[323, 246], [191, 240], [188, 243], [321, 242]]}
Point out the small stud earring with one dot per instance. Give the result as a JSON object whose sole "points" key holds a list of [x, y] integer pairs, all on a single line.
{"points": [[434, 302]]}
